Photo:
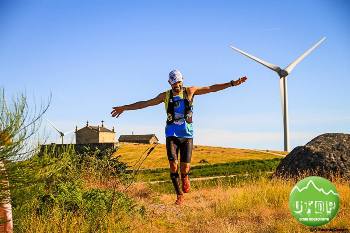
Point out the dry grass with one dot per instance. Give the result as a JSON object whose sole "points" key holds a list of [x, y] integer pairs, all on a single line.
{"points": [[130, 153], [71, 223], [261, 206]]}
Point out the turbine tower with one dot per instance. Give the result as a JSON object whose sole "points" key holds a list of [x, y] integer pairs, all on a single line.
{"points": [[282, 73]]}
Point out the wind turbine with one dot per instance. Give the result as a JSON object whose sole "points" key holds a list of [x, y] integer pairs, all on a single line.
{"points": [[59, 132], [282, 73]]}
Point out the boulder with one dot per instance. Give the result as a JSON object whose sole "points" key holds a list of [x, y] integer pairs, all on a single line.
{"points": [[327, 155]]}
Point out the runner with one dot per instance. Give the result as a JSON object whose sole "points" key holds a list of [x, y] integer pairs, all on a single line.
{"points": [[178, 131]]}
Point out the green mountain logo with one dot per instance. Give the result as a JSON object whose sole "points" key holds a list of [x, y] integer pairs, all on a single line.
{"points": [[314, 201], [312, 184]]}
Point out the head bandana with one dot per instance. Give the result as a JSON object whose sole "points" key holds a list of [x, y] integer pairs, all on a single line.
{"points": [[175, 76]]}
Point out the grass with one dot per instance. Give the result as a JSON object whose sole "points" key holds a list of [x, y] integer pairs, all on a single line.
{"points": [[259, 205], [59, 222], [131, 152], [253, 203]]}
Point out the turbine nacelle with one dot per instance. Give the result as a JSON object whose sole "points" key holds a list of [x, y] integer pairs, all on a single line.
{"points": [[282, 73]]}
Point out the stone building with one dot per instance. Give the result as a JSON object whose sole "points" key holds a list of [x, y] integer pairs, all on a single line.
{"points": [[145, 139], [94, 134]]}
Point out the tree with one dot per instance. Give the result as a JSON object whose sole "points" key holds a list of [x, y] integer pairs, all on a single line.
{"points": [[18, 127]]}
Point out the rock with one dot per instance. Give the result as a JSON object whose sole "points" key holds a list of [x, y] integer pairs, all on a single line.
{"points": [[203, 161], [327, 155]]}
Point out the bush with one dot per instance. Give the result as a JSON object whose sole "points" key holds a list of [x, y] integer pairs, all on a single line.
{"points": [[57, 188], [99, 202]]}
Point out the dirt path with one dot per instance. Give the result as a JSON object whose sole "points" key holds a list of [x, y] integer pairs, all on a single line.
{"points": [[268, 152], [201, 178]]}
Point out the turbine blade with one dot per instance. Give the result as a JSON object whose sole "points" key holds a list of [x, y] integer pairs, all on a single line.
{"points": [[54, 127], [262, 62], [292, 65], [71, 131]]}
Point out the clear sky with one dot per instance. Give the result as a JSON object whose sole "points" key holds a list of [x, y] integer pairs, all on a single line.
{"points": [[92, 55]]}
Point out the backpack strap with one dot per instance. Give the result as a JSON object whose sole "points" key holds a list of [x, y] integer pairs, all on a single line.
{"points": [[188, 107], [186, 96], [169, 107]]}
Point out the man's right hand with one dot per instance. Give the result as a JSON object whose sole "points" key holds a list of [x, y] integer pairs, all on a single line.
{"points": [[117, 111], [239, 81]]}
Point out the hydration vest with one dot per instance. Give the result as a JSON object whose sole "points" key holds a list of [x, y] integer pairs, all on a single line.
{"points": [[169, 105]]}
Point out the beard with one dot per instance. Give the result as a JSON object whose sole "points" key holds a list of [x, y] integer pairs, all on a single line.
{"points": [[177, 89]]}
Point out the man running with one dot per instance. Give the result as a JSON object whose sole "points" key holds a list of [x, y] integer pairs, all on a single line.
{"points": [[178, 131]]}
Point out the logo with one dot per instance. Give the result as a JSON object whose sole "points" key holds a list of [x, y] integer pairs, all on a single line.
{"points": [[314, 201]]}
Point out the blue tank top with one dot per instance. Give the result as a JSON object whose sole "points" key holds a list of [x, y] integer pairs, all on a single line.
{"points": [[180, 128]]}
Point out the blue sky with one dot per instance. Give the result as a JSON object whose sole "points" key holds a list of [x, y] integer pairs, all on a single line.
{"points": [[92, 55]]}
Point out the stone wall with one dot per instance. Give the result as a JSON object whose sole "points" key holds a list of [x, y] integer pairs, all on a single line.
{"points": [[106, 137], [79, 148], [153, 140], [86, 136]]}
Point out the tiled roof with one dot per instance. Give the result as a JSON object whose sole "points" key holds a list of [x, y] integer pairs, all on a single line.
{"points": [[102, 129], [136, 138]]}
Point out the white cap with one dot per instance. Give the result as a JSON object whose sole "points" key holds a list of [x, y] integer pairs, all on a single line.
{"points": [[175, 76]]}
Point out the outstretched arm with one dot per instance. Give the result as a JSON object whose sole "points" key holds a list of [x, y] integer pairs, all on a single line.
{"points": [[138, 105], [217, 87]]}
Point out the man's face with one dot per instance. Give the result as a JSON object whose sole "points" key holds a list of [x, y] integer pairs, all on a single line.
{"points": [[176, 87]]}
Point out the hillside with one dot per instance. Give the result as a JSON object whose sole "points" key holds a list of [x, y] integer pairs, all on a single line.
{"points": [[131, 152]]}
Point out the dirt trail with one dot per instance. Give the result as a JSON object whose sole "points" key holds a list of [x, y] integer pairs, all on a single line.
{"points": [[164, 214], [202, 178], [268, 152]]}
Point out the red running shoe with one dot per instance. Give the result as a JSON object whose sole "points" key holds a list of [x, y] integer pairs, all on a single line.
{"points": [[186, 185], [179, 200]]}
